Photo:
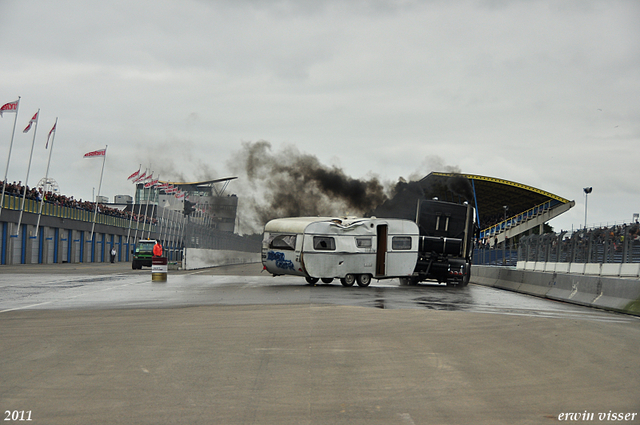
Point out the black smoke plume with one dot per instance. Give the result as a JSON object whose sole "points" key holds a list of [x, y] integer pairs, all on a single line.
{"points": [[292, 184], [288, 183], [403, 202]]}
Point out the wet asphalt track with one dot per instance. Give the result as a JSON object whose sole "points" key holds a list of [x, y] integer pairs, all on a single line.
{"points": [[102, 344], [107, 286]]}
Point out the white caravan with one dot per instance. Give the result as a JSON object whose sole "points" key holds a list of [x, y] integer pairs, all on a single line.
{"points": [[350, 249]]}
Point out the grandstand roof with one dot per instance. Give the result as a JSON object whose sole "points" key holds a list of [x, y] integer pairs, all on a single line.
{"points": [[488, 194], [207, 185], [202, 183], [491, 193]]}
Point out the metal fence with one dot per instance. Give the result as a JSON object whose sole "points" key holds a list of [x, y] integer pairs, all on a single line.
{"points": [[615, 244]]}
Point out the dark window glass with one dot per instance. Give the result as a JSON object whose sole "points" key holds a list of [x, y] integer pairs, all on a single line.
{"points": [[283, 242], [401, 242], [323, 243]]}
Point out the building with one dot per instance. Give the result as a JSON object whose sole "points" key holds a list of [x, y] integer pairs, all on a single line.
{"points": [[212, 206], [123, 199]]}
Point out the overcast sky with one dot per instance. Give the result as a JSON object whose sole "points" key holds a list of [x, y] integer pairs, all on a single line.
{"points": [[544, 93]]}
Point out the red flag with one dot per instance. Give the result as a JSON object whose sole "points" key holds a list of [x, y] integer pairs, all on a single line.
{"points": [[140, 178], [9, 107], [101, 152], [134, 175], [34, 119], [150, 184], [52, 130]]}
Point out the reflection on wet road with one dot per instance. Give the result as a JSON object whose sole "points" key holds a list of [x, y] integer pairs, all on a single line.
{"points": [[127, 290]]}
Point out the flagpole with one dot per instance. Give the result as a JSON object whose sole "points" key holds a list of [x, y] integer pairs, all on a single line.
{"points": [[146, 206], [6, 170], [95, 211], [162, 219], [132, 208], [24, 194], [139, 206], [153, 207], [46, 176]]}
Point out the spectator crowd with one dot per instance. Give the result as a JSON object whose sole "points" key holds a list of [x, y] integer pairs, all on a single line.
{"points": [[17, 189]]}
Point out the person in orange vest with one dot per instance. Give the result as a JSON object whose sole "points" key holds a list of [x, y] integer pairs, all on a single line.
{"points": [[157, 250]]}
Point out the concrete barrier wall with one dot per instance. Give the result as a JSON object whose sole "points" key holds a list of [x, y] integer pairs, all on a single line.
{"points": [[606, 292], [197, 258], [599, 269]]}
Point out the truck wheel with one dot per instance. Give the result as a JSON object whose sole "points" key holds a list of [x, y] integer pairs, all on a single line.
{"points": [[311, 280], [364, 280], [467, 277], [134, 265], [465, 281], [348, 280], [327, 279]]}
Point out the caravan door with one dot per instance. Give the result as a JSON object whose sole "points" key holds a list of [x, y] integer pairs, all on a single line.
{"points": [[381, 253]]}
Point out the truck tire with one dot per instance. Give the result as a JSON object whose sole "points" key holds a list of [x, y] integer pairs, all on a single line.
{"points": [[327, 279], [311, 280], [348, 280], [363, 280], [466, 278]]}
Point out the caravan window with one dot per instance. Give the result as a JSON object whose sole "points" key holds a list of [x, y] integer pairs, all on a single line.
{"points": [[363, 242], [401, 243], [323, 243], [283, 242]]}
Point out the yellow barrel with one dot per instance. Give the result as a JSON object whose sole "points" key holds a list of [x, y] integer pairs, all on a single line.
{"points": [[159, 269]]}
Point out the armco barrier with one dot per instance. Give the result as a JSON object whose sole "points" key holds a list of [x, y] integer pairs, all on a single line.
{"points": [[606, 292]]}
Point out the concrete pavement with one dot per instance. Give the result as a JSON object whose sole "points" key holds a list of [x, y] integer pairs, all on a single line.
{"points": [[308, 363]]}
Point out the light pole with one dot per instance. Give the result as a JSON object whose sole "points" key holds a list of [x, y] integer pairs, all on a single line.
{"points": [[504, 244], [587, 191]]}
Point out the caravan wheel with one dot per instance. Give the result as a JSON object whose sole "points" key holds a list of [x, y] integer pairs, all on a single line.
{"points": [[311, 280], [348, 280], [327, 279], [364, 280]]}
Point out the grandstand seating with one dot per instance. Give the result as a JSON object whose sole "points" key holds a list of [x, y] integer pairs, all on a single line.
{"points": [[526, 220]]}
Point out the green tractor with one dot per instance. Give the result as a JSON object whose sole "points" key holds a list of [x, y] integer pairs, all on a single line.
{"points": [[143, 253]]}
